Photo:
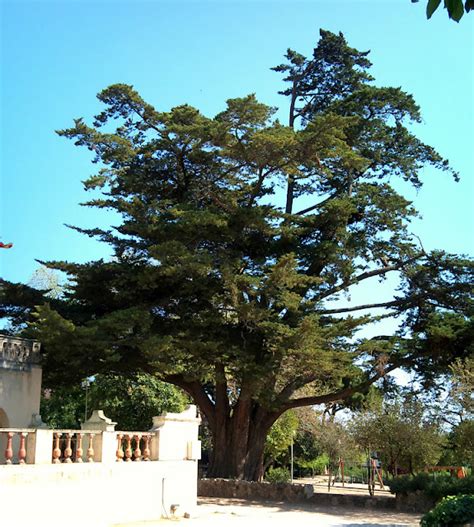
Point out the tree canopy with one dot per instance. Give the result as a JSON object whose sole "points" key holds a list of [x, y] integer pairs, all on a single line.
{"points": [[239, 241]]}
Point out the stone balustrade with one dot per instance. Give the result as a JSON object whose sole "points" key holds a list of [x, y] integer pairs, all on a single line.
{"points": [[98, 442], [18, 353], [42, 470]]}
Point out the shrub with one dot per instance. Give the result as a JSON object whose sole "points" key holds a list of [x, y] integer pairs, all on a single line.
{"points": [[278, 475], [450, 511], [407, 484], [434, 487]]}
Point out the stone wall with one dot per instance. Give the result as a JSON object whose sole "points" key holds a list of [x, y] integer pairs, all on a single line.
{"points": [[288, 492], [95, 494], [414, 502], [20, 381]]}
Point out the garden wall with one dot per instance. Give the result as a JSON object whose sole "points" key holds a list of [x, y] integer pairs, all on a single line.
{"points": [[223, 488], [293, 492]]}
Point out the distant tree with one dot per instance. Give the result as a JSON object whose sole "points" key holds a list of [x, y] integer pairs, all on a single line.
{"points": [[462, 441], [335, 441], [400, 434], [227, 291], [132, 401], [462, 385], [48, 281]]}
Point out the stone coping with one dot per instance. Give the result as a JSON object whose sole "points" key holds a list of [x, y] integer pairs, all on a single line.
{"points": [[18, 353]]}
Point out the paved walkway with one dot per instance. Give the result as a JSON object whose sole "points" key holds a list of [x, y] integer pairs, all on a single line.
{"points": [[240, 513]]}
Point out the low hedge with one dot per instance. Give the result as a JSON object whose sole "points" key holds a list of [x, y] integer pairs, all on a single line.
{"points": [[435, 487], [450, 511]]}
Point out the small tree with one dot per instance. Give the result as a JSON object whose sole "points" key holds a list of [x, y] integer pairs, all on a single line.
{"points": [[335, 441], [280, 438], [400, 434]]}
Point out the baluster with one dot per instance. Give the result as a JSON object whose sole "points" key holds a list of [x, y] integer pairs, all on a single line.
{"points": [[90, 450], [128, 449], [146, 448], [119, 452], [68, 449], [9, 449], [137, 453], [79, 449], [22, 449], [56, 447]]}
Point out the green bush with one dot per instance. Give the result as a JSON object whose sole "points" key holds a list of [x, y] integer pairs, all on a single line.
{"points": [[278, 475], [450, 511], [435, 487], [406, 484]]}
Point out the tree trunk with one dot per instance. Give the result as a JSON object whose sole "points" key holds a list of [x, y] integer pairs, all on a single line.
{"points": [[239, 442]]}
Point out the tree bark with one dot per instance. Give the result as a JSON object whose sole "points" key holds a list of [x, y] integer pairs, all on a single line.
{"points": [[239, 441]]}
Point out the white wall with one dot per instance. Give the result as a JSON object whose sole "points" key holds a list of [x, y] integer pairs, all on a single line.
{"points": [[20, 393], [95, 494]]}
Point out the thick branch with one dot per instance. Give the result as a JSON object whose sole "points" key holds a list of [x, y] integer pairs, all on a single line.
{"points": [[360, 278], [317, 206], [392, 303], [199, 395], [341, 394]]}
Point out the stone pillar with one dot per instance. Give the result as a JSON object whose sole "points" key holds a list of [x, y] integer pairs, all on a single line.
{"points": [[105, 440], [176, 436], [39, 447]]}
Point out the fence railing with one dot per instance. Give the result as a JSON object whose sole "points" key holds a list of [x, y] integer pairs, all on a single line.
{"points": [[173, 437], [20, 446], [29, 446]]}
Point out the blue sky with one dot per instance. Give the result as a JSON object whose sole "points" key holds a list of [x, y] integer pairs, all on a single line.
{"points": [[55, 57]]}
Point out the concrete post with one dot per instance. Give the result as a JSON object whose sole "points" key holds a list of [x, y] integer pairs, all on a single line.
{"points": [[177, 435], [40, 445]]}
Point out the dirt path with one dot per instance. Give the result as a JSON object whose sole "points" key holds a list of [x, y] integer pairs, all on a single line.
{"points": [[224, 512], [240, 513]]}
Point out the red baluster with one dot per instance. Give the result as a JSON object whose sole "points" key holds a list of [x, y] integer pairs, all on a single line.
{"points": [[56, 447], [90, 450], [68, 449], [9, 449], [119, 452], [137, 453], [22, 449], [79, 449], [128, 449], [146, 448]]}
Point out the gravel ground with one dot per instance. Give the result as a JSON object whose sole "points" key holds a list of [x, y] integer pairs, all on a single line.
{"points": [[241, 513]]}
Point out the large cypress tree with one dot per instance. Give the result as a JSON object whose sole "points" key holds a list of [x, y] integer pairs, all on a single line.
{"points": [[237, 235]]}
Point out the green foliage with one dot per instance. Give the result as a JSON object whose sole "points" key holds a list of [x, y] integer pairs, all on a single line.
{"points": [[401, 435], [455, 8], [451, 510], [434, 486], [281, 435], [131, 401], [335, 441], [316, 465], [462, 440], [278, 475], [64, 407], [462, 389]]}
